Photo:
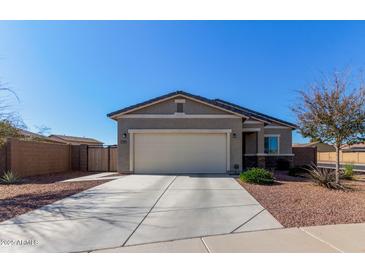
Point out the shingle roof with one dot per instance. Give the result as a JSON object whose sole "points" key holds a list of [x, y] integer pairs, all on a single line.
{"points": [[27, 133], [215, 102], [75, 139], [256, 114], [354, 147], [306, 145]]}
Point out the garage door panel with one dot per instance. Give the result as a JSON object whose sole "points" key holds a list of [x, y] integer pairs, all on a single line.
{"points": [[180, 153]]}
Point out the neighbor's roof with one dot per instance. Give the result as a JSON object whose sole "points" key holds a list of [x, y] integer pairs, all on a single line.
{"points": [[354, 147], [75, 139], [27, 133], [306, 145], [215, 102]]}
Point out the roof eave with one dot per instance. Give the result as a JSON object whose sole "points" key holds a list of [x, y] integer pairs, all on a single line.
{"points": [[116, 114]]}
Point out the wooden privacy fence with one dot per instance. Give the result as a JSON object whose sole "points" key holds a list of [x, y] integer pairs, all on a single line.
{"points": [[101, 158], [345, 157]]}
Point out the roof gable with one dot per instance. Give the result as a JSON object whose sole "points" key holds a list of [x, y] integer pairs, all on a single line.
{"points": [[216, 103], [173, 95]]}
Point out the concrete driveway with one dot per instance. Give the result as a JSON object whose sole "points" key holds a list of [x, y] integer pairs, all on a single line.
{"points": [[137, 209]]}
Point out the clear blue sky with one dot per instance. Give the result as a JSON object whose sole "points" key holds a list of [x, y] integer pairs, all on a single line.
{"points": [[69, 75]]}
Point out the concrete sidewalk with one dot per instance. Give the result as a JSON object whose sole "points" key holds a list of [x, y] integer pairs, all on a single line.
{"points": [[329, 238]]}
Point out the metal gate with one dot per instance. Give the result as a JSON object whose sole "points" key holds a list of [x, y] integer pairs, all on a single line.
{"points": [[101, 158]]}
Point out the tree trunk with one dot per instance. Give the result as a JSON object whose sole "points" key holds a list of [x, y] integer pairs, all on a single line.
{"points": [[337, 164]]}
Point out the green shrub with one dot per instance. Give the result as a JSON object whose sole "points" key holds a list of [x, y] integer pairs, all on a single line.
{"points": [[257, 176], [348, 172], [9, 178]]}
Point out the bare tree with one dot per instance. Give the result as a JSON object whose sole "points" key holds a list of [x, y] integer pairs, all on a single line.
{"points": [[10, 122], [5, 113], [43, 129], [332, 111]]}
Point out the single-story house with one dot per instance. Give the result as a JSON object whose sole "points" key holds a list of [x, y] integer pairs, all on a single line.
{"points": [[321, 147], [74, 140], [32, 136], [354, 148], [184, 133]]}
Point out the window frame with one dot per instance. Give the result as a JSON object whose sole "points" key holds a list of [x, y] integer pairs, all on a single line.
{"points": [[278, 141]]}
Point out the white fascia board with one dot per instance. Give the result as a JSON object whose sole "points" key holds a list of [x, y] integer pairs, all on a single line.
{"points": [[276, 127], [265, 154], [116, 116], [252, 123], [179, 130], [179, 116], [251, 129]]}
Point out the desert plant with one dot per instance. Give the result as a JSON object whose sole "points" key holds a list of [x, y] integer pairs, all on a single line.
{"points": [[332, 111], [325, 177], [257, 176], [348, 172], [9, 178]]}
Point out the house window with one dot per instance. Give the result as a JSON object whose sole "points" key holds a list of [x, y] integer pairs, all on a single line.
{"points": [[180, 107], [272, 144]]}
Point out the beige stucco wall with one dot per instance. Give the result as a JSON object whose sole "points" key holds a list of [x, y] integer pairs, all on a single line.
{"points": [[285, 138], [169, 107], [260, 137], [235, 124], [250, 142], [193, 107]]}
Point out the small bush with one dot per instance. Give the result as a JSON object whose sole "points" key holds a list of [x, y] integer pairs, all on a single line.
{"points": [[282, 164], [9, 178], [348, 172], [257, 176]]}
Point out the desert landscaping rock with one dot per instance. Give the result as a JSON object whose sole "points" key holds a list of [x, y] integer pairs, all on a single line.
{"points": [[297, 202], [37, 191]]}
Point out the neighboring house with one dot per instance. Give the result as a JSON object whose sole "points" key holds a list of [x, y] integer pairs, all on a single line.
{"points": [[184, 133], [73, 140], [321, 147], [31, 136], [354, 148]]}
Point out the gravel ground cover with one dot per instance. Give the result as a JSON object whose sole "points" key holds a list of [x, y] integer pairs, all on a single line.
{"points": [[37, 191], [298, 202]]}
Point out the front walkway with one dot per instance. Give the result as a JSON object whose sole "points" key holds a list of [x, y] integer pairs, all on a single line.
{"points": [[329, 238]]}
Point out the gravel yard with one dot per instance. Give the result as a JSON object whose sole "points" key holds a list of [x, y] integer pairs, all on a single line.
{"points": [[37, 191], [298, 202]]}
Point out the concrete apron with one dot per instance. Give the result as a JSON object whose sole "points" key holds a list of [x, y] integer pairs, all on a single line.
{"points": [[138, 209], [102, 216], [198, 206]]}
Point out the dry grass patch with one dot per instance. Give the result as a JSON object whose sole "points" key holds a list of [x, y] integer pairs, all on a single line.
{"points": [[298, 202]]}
